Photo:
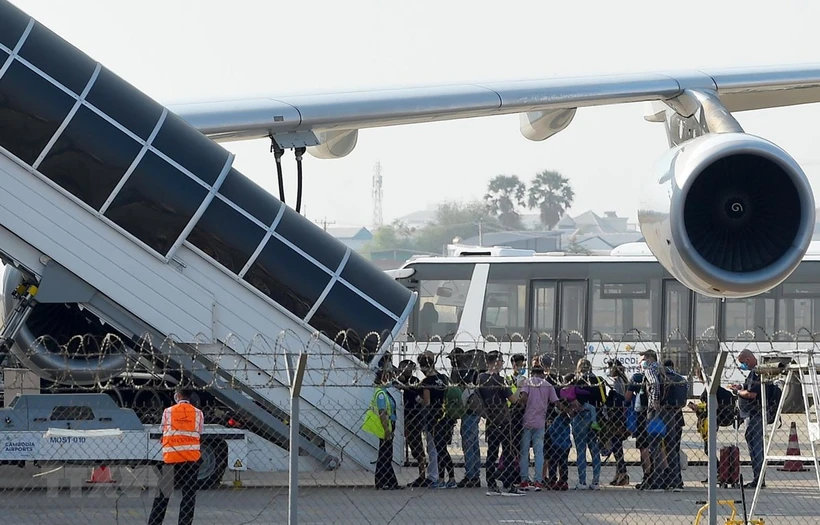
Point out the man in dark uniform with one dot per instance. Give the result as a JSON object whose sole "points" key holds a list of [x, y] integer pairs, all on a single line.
{"points": [[414, 423], [749, 405], [514, 381]]}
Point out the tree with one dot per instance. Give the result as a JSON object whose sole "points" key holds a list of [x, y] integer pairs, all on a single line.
{"points": [[551, 194], [503, 194], [393, 236], [454, 219]]}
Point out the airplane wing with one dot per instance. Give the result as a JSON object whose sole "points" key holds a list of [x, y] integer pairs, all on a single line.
{"points": [[308, 120]]}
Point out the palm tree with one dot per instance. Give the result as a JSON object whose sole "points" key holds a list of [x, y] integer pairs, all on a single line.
{"points": [[552, 195], [503, 194]]}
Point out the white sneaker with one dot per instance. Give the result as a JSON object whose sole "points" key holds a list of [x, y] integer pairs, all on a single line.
{"points": [[595, 486], [581, 486]]}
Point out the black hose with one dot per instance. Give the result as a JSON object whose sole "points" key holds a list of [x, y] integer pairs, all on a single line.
{"points": [[277, 155], [299, 152]]}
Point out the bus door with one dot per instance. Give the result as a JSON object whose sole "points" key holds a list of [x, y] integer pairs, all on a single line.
{"points": [[677, 327], [559, 331]]}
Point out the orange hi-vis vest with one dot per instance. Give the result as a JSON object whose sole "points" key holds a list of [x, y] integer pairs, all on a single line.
{"points": [[182, 426]]}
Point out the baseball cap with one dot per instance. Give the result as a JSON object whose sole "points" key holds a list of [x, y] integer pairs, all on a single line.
{"points": [[455, 352], [650, 353]]}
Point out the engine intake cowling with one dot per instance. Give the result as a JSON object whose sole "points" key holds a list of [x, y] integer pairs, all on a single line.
{"points": [[728, 215]]}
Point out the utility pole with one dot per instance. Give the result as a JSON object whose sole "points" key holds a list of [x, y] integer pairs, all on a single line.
{"points": [[480, 234], [378, 195], [324, 222]]}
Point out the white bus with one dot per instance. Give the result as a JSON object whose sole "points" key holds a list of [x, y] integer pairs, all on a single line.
{"points": [[598, 307]]}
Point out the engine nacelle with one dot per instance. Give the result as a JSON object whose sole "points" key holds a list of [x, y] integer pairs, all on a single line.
{"points": [[728, 215]]}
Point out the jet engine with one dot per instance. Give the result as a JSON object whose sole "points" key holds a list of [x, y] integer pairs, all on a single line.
{"points": [[728, 214]]}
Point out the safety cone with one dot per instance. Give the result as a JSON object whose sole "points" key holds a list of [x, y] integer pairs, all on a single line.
{"points": [[101, 474], [793, 465]]}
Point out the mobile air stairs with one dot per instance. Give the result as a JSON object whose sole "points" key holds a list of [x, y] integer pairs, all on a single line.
{"points": [[118, 216]]}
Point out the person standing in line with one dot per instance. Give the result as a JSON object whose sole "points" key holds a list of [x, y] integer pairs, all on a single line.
{"points": [[674, 399], [539, 396], [545, 362], [465, 376], [620, 384], [182, 427], [652, 386], [414, 423], [496, 396], [385, 405], [591, 396], [515, 381], [433, 390]]}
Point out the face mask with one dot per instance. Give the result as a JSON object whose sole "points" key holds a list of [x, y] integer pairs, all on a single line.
{"points": [[744, 366], [645, 365]]}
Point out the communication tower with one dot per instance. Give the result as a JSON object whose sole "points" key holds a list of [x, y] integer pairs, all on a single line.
{"points": [[378, 194]]}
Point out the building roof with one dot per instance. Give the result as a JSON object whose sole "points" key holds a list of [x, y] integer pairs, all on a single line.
{"points": [[500, 238], [359, 233]]}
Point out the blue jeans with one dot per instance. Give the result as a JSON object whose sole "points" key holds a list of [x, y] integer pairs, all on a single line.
{"points": [[470, 446], [586, 439], [754, 439], [534, 437]]}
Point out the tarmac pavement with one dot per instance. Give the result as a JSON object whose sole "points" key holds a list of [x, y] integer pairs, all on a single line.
{"points": [[347, 498]]}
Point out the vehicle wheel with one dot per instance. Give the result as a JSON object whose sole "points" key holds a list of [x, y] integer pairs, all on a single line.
{"points": [[213, 464]]}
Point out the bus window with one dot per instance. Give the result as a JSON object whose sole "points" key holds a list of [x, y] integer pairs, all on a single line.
{"points": [[543, 317], [706, 315], [618, 308], [676, 326], [799, 311], [441, 303], [505, 308], [676, 305], [749, 319]]}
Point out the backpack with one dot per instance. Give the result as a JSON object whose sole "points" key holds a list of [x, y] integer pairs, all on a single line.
{"points": [[727, 412], [454, 407], [472, 402], [773, 395], [675, 389]]}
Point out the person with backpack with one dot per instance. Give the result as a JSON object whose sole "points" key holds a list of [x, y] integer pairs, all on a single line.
{"points": [[496, 395], [616, 408], [538, 396], [655, 426], [433, 392], [751, 411], [675, 394], [726, 412], [590, 394], [516, 381], [463, 383], [414, 424], [560, 437]]}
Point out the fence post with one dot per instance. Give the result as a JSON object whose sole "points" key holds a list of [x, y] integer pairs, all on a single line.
{"points": [[296, 375], [711, 421]]}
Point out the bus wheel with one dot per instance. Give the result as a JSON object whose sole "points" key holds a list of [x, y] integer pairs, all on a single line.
{"points": [[213, 464]]}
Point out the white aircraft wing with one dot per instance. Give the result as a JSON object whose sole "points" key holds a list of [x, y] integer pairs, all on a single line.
{"points": [[311, 119]]}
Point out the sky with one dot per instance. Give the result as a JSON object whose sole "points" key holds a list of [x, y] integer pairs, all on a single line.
{"points": [[192, 50]]}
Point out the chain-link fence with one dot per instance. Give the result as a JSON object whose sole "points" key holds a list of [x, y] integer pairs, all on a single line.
{"points": [[89, 450]]}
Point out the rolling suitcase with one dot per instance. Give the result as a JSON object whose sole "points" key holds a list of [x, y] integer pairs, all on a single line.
{"points": [[729, 461], [729, 466]]}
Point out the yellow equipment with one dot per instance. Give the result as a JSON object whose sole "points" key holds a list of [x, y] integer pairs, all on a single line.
{"points": [[731, 520]]}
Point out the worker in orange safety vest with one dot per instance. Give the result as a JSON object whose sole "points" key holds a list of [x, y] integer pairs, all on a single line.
{"points": [[182, 426]]}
